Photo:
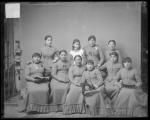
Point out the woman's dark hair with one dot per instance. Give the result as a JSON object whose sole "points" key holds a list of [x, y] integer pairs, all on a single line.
{"points": [[74, 41], [115, 54], [78, 56], [127, 59], [62, 51], [112, 41], [92, 37], [36, 55], [47, 36], [90, 62]]}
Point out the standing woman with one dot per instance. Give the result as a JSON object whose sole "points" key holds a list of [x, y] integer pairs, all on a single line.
{"points": [[112, 66], [112, 48], [93, 52], [60, 82], [76, 50], [73, 103], [37, 86], [49, 54], [131, 101]]}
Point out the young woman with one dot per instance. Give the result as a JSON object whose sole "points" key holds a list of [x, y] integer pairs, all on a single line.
{"points": [[76, 50], [131, 101], [37, 86], [74, 103], [112, 48], [111, 88], [92, 83], [93, 52], [60, 82], [49, 54]]}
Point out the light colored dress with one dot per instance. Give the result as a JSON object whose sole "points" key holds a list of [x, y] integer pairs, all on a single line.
{"points": [[93, 96], [74, 99], [59, 89], [36, 91], [94, 53], [48, 55], [73, 53], [111, 89], [131, 101], [107, 55]]}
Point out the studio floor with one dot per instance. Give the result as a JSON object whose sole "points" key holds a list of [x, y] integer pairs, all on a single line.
{"points": [[10, 111]]}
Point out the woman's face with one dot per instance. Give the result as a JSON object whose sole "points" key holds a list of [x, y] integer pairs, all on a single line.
{"points": [[63, 56], [113, 58], [78, 61], [76, 45], [48, 41], [127, 65], [90, 66], [36, 59], [111, 45], [92, 42]]}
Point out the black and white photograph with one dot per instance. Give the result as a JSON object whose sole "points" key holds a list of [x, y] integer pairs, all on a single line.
{"points": [[75, 60]]}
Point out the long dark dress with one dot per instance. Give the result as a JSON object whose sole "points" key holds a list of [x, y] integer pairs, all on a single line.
{"points": [[74, 99], [48, 55], [131, 101], [93, 96], [36, 91], [111, 90], [59, 88], [94, 53]]}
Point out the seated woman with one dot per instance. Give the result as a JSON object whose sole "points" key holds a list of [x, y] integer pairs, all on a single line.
{"points": [[76, 50], [37, 86], [73, 103], [112, 48], [111, 89], [92, 83], [60, 82], [131, 101]]}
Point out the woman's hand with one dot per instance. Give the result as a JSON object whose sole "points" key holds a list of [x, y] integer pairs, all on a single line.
{"points": [[138, 84], [118, 84]]}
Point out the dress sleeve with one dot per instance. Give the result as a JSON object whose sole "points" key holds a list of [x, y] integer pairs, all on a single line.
{"points": [[99, 77], [119, 57], [101, 56], [71, 78], [83, 80], [71, 58], [54, 72], [118, 76], [137, 77], [104, 66]]}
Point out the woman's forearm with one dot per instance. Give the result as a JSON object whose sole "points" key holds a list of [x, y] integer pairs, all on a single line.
{"points": [[28, 78]]}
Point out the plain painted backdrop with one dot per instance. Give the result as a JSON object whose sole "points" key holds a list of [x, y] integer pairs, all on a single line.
{"points": [[120, 21]]}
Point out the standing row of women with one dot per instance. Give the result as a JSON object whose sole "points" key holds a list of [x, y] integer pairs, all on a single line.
{"points": [[83, 81]]}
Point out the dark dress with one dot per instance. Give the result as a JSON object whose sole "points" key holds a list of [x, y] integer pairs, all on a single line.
{"points": [[131, 101], [111, 89], [36, 91], [94, 53], [93, 96], [48, 55], [74, 99], [59, 85]]}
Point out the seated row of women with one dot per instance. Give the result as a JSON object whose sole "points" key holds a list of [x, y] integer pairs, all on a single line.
{"points": [[84, 84]]}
